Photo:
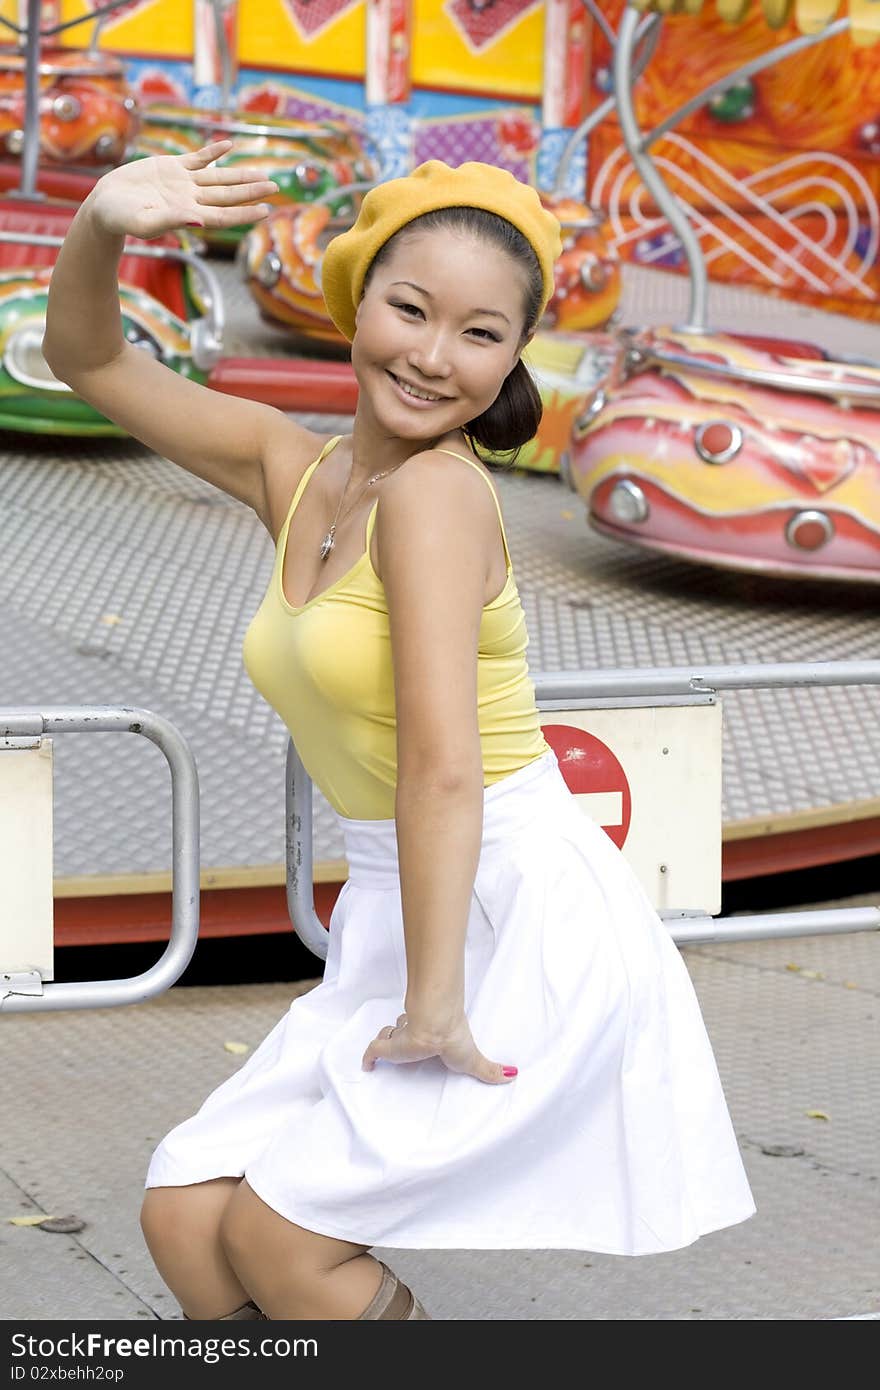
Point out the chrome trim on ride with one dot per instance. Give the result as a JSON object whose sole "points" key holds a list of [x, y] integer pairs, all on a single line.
{"points": [[628, 503], [642, 356], [810, 516], [718, 455]]}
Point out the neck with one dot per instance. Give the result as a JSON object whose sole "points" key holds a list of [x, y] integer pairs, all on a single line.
{"points": [[374, 450]]}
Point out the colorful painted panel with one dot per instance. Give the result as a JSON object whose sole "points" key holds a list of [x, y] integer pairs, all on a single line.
{"points": [[320, 36], [782, 170], [160, 27], [463, 45]]}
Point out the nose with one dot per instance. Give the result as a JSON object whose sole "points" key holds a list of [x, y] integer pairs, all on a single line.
{"points": [[430, 355]]}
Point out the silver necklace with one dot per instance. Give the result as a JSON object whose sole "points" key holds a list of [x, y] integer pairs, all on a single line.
{"points": [[328, 542]]}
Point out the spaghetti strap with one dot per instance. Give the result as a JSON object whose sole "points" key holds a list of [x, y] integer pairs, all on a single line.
{"points": [[479, 470], [301, 485], [371, 521]]}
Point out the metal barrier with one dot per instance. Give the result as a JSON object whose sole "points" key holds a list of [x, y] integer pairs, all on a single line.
{"points": [[20, 728], [558, 691]]}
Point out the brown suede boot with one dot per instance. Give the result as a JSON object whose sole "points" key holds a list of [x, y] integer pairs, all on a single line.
{"points": [[247, 1312], [393, 1299]]}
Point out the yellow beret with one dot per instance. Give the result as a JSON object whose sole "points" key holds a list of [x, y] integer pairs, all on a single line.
{"points": [[391, 205]]}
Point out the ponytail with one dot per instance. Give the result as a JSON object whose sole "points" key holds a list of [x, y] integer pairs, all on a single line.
{"points": [[512, 419]]}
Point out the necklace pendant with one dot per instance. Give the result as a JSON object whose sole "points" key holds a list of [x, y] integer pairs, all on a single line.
{"points": [[327, 544]]}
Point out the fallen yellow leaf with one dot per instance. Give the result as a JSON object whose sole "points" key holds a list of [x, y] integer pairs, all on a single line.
{"points": [[812, 975], [566, 516], [110, 619], [236, 1047], [850, 984], [817, 1114], [791, 966], [28, 1220]]}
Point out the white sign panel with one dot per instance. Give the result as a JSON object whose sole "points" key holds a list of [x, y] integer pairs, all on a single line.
{"points": [[651, 777], [26, 905]]}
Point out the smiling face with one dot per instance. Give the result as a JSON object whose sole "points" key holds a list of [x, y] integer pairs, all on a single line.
{"points": [[439, 327]]}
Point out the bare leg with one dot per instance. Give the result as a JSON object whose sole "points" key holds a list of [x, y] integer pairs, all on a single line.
{"points": [[293, 1272], [181, 1226]]}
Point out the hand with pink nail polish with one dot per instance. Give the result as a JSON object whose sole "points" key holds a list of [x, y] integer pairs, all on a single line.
{"points": [[408, 1041]]}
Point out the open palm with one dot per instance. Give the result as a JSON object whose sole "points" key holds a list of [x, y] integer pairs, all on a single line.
{"points": [[155, 195]]}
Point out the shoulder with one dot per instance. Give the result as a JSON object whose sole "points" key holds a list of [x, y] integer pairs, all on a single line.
{"points": [[434, 531], [288, 452], [445, 480]]}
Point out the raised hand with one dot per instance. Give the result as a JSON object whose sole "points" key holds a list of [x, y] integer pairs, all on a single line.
{"points": [[155, 195], [458, 1051]]}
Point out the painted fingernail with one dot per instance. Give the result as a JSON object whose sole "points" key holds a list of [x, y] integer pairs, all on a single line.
{"points": [[510, 1071]]}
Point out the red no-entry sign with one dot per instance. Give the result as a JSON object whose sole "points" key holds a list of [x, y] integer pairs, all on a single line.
{"points": [[593, 772]]}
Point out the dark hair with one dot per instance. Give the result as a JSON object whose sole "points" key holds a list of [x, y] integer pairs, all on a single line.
{"points": [[514, 416]]}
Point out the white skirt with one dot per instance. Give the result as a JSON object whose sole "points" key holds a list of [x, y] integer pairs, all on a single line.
{"points": [[615, 1135]]}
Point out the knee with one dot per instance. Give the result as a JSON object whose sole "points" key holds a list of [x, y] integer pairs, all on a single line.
{"points": [[175, 1218]]}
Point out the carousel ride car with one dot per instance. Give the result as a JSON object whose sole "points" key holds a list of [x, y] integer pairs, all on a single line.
{"points": [[743, 453], [170, 302], [739, 452], [88, 114], [69, 115]]}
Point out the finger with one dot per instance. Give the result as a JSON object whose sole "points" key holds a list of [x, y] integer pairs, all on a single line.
{"points": [[377, 1048], [232, 217], [494, 1073], [197, 159], [231, 174], [221, 196]]}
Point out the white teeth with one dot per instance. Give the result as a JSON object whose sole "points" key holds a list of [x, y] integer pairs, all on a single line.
{"points": [[411, 391]]}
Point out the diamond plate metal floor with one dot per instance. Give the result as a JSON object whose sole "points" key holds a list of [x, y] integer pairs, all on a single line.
{"points": [[785, 1041], [125, 579]]}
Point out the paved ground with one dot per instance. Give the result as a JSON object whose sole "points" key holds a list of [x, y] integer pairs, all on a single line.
{"points": [[93, 1092]]}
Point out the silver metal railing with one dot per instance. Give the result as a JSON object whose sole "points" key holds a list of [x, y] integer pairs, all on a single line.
{"points": [[25, 991], [555, 691]]}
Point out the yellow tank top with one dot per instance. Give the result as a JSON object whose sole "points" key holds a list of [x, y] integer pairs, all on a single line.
{"points": [[326, 668]]}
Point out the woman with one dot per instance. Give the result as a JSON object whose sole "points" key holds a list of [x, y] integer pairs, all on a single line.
{"points": [[505, 1050]]}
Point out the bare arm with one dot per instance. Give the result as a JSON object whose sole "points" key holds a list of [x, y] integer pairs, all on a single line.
{"points": [[222, 439], [432, 540]]}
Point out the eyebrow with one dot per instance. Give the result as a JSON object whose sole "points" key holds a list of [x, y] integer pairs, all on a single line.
{"points": [[496, 313]]}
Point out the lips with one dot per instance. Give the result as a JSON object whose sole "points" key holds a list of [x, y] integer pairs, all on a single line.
{"points": [[418, 400]]}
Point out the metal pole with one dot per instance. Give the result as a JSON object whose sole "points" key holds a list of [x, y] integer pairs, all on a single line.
{"points": [[662, 195], [30, 152], [649, 31]]}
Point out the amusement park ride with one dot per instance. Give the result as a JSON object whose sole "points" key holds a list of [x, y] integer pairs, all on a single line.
{"points": [[716, 447]]}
